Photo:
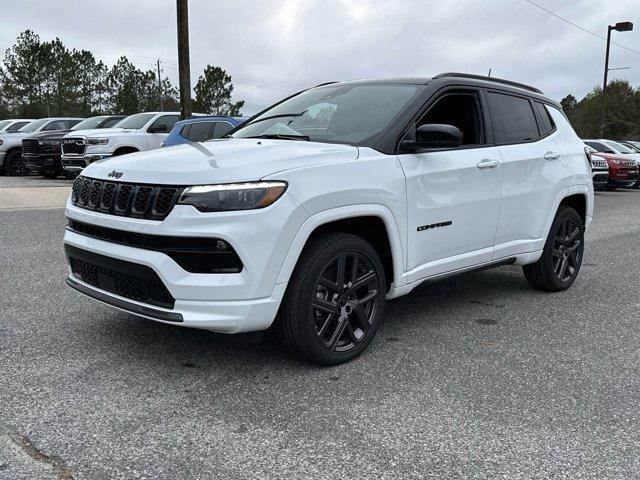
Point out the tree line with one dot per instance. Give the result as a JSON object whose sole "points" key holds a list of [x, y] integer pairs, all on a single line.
{"points": [[46, 79], [622, 112]]}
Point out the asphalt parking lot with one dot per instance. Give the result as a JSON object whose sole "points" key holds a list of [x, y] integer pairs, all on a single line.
{"points": [[477, 376]]}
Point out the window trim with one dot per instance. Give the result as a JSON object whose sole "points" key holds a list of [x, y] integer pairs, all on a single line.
{"points": [[487, 128]]}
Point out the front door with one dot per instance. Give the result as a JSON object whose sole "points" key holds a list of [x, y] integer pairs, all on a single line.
{"points": [[453, 196]]}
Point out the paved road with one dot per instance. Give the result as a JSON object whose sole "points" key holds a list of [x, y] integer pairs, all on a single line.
{"points": [[32, 192], [474, 377]]}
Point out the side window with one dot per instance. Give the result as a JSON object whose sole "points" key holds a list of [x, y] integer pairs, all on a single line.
{"points": [[168, 120], [184, 133], [546, 122], [599, 147], [199, 132], [111, 122], [512, 118], [71, 123], [56, 125], [222, 128], [16, 126], [461, 110]]}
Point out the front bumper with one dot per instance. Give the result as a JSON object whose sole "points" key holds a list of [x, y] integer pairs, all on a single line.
{"points": [[225, 302], [76, 163], [36, 163]]}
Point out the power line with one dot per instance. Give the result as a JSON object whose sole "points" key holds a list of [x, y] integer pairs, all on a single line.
{"points": [[580, 27]]}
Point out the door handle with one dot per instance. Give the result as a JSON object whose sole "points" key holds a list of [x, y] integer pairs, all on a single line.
{"points": [[487, 164], [551, 156]]}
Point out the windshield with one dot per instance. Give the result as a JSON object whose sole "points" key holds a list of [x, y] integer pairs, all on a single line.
{"points": [[618, 146], [89, 123], [33, 126], [135, 122], [4, 123], [351, 114]]}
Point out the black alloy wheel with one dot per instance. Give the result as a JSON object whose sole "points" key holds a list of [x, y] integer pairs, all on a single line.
{"points": [[567, 249], [14, 164], [346, 297], [335, 300]]}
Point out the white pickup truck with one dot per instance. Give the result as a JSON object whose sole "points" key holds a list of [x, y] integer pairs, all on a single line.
{"points": [[136, 133]]}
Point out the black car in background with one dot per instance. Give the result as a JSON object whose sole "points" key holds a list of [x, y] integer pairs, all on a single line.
{"points": [[41, 152]]}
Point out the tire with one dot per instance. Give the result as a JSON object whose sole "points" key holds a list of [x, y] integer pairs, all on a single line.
{"points": [[558, 267], [323, 318], [14, 164]]}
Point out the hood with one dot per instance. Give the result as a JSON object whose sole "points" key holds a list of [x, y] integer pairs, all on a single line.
{"points": [[53, 134], [100, 132], [219, 161]]}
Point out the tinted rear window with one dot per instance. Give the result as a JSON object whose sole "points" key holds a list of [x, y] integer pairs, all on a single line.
{"points": [[513, 119]]}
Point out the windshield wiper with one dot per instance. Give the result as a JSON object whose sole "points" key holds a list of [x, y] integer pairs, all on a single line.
{"points": [[282, 115], [282, 136]]}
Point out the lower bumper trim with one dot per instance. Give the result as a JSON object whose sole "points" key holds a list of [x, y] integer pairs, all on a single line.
{"points": [[124, 304]]}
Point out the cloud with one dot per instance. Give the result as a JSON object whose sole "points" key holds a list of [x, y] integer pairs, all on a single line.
{"points": [[273, 48]]}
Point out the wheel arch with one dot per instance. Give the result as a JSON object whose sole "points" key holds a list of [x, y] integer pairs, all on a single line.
{"points": [[373, 223], [124, 149], [578, 197]]}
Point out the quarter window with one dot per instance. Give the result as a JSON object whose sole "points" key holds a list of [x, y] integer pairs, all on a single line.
{"points": [[513, 119], [546, 122]]}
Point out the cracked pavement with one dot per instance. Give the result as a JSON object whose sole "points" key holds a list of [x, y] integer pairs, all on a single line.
{"points": [[477, 376]]}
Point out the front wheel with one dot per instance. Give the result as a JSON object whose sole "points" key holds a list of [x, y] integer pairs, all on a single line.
{"points": [[558, 267], [14, 164], [335, 300]]}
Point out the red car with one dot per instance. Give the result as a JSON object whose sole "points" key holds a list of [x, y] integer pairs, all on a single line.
{"points": [[623, 171]]}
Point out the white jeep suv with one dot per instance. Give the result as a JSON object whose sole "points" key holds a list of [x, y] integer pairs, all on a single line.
{"points": [[319, 209]]}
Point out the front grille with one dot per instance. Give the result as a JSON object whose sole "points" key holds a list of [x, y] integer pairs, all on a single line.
{"points": [[125, 279], [599, 162], [73, 146], [30, 147], [153, 202]]}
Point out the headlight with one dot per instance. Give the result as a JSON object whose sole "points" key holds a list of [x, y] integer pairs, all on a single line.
{"points": [[232, 196], [50, 143], [97, 141]]}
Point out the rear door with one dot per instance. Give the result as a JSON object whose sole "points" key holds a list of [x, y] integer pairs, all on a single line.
{"points": [[532, 169]]}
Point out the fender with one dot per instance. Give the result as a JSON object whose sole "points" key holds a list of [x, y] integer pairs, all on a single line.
{"points": [[126, 145], [567, 192], [340, 213]]}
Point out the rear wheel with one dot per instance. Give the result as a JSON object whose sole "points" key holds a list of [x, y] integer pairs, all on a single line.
{"points": [[558, 267], [14, 164], [335, 300]]}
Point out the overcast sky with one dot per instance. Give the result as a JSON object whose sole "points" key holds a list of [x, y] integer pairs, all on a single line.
{"points": [[275, 47]]}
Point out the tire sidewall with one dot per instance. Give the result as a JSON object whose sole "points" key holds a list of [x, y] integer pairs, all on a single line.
{"points": [[563, 214]]}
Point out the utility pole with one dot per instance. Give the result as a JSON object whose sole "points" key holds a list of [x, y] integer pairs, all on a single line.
{"points": [[160, 87], [184, 69], [620, 27]]}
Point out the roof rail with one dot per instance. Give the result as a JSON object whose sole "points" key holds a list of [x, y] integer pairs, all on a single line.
{"points": [[489, 79]]}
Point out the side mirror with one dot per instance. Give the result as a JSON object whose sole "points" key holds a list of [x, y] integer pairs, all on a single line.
{"points": [[433, 136], [158, 128]]}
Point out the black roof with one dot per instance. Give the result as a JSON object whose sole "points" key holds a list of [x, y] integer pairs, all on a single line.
{"points": [[487, 81]]}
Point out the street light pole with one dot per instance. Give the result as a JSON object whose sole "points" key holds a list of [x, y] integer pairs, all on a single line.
{"points": [[620, 27], [184, 69]]}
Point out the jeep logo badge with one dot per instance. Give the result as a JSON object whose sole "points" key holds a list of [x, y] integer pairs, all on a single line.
{"points": [[115, 174]]}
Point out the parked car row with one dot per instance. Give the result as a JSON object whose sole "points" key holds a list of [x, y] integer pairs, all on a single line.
{"points": [[622, 161], [62, 145]]}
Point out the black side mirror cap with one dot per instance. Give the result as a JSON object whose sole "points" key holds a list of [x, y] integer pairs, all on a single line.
{"points": [[433, 136]]}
